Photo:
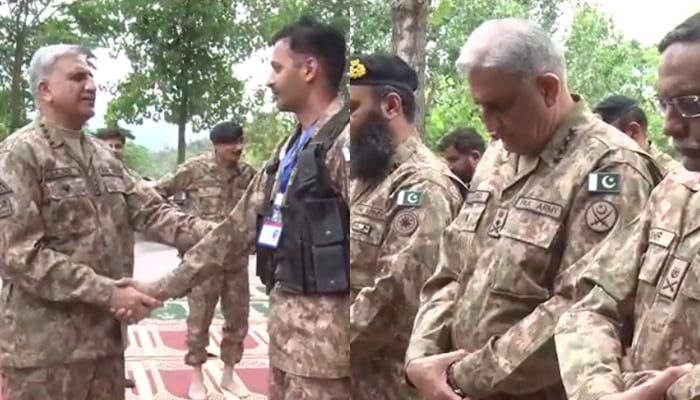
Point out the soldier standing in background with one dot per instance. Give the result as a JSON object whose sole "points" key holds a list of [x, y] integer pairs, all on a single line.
{"points": [[115, 139], [625, 114], [68, 212], [643, 287], [403, 200], [299, 204], [462, 149], [213, 184], [560, 182]]}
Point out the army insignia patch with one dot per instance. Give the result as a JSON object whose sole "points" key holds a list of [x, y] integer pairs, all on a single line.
{"points": [[604, 183], [673, 279], [405, 222], [361, 227], [6, 209], [601, 216], [409, 198], [4, 189], [498, 222]]}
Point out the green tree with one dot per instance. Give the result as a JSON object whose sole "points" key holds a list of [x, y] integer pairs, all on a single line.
{"points": [[181, 53], [27, 25]]}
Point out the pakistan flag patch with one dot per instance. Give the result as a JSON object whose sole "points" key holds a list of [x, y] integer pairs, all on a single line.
{"points": [[409, 198], [604, 183]]}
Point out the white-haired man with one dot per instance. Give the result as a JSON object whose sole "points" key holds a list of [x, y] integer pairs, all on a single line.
{"points": [[559, 182], [68, 212]]}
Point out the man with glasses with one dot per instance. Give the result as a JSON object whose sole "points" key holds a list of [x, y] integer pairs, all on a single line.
{"points": [[627, 116], [642, 290]]}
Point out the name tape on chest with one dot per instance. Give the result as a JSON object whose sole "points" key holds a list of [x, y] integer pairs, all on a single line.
{"points": [[604, 182], [409, 198]]}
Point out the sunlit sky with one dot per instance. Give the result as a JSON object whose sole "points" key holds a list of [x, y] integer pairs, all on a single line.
{"points": [[646, 21]]}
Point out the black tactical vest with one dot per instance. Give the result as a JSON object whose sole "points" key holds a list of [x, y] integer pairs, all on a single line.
{"points": [[313, 255]]}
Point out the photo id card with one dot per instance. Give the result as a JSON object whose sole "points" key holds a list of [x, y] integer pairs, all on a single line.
{"points": [[270, 234]]}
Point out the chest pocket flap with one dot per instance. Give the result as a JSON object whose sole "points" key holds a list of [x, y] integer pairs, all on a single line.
{"points": [[113, 179], [64, 183], [208, 191], [529, 226], [367, 225]]}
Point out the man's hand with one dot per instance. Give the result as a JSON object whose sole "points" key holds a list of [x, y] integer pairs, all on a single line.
{"points": [[135, 304], [429, 375], [653, 389]]}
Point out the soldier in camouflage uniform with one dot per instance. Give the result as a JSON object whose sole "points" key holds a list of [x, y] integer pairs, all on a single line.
{"points": [[557, 183], [68, 212], [625, 114], [404, 198], [309, 344], [643, 289], [213, 184]]}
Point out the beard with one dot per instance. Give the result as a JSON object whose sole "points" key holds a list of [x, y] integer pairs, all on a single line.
{"points": [[371, 149]]}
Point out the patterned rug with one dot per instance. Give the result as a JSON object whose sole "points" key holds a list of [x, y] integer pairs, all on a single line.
{"points": [[157, 347]]}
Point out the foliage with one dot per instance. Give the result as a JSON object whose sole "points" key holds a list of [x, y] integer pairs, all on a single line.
{"points": [[25, 25], [182, 52]]}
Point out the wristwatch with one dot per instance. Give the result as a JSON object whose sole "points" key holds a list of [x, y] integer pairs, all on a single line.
{"points": [[451, 382]]}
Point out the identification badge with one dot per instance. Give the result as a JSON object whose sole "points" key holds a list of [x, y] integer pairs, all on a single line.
{"points": [[270, 234]]}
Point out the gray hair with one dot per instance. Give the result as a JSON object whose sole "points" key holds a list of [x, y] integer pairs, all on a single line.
{"points": [[44, 60], [515, 45]]}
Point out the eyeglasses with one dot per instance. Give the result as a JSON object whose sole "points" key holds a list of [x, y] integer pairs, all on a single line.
{"points": [[687, 106]]}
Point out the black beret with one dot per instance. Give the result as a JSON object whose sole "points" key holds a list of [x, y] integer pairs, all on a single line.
{"points": [[614, 107], [226, 132], [112, 132], [383, 70]]}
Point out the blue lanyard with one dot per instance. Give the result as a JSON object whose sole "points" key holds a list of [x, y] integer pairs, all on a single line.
{"points": [[289, 161]]}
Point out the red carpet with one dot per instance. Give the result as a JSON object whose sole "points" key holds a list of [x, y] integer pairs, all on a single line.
{"points": [[154, 362]]}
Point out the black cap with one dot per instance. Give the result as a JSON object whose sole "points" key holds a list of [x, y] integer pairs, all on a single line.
{"points": [[614, 107], [226, 132], [113, 132], [383, 70]]}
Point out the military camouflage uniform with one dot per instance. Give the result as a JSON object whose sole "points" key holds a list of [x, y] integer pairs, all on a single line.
{"points": [[67, 222], [643, 290], [395, 238], [507, 260], [664, 161], [213, 192], [309, 344]]}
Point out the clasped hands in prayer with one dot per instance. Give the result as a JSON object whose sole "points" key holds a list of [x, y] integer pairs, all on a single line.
{"points": [[132, 300]]}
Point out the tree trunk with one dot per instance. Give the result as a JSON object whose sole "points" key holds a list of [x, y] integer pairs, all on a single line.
{"points": [[16, 109], [181, 143], [408, 40]]}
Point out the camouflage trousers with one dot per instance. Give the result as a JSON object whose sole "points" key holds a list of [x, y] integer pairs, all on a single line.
{"points": [[101, 379], [233, 290], [286, 386]]}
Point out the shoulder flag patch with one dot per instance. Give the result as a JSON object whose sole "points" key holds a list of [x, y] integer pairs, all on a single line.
{"points": [[409, 198], [604, 183]]}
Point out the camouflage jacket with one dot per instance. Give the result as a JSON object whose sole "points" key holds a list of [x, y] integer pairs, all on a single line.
{"points": [[663, 160], [66, 231], [211, 191], [395, 237], [642, 302], [314, 342], [507, 261]]}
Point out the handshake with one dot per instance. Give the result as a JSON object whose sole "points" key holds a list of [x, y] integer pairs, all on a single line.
{"points": [[131, 300]]}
